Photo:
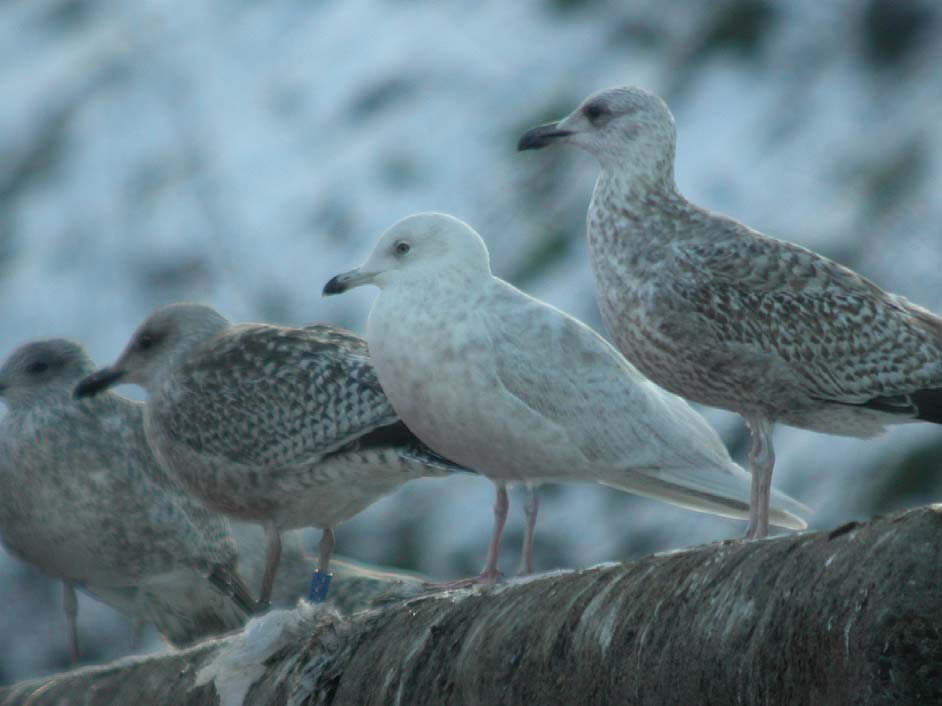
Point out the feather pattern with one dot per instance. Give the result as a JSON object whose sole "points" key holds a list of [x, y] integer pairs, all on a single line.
{"points": [[269, 423], [83, 499], [287, 396], [723, 315]]}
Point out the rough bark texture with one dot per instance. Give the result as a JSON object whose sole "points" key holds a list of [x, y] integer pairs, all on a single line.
{"points": [[852, 616]]}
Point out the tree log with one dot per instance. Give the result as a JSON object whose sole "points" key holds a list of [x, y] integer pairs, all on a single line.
{"points": [[851, 616]]}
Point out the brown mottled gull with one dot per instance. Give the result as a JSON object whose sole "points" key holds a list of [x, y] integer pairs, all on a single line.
{"points": [[521, 392], [721, 314], [82, 499], [286, 427]]}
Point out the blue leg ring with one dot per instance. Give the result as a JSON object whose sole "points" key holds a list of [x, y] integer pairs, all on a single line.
{"points": [[320, 585]]}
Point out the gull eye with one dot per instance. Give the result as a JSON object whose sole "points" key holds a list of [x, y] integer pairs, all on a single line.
{"points": [[37, 367], [594, 112], [402, 247], [145, 342]]}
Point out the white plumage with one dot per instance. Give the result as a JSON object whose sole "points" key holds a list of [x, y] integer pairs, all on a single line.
{"points": [[521, 392]]}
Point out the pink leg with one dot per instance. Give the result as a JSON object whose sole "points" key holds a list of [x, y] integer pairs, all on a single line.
{"points": [[326, 548], [531, 509], [761, 462], [490, 571], [501, 505]]}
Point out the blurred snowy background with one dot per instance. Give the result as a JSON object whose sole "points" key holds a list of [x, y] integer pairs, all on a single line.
{"points": [[241, 153]]}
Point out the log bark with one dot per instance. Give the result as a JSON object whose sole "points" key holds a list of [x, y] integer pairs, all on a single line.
{"points": [[851, 616]]}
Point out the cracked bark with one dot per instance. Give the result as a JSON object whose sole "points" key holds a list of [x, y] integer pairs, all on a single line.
{"points": [[851, 616]]}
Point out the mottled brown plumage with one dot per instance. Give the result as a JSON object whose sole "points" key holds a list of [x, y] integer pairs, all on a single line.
{"points": [[287, 427], [721, 314], [83, 499]]}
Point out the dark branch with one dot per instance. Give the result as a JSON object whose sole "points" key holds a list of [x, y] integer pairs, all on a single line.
{"points": [[853, 616]]}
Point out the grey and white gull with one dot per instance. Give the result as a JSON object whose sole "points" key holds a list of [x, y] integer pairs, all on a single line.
{"points": [[285, 427], [83, 499], [521, 392], [723, 315]]}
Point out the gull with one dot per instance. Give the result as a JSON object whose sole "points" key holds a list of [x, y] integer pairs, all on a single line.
{"points": [[519, 391], [725, 316], [83, 499], [284, 427]]}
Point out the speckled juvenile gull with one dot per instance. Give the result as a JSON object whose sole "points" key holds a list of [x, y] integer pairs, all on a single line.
{"points": [[521, 392], [82, 499], [286, 427], [721, 314]]}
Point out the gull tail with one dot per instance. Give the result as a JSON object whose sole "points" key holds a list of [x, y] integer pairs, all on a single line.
{"points": [[431, 462], [720, 491], [398, 438], [186, 608], [230, 584], [183, 605]]}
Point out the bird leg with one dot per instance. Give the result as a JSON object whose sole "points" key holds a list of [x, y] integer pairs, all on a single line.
{"points": [[530, 509], [490, 573], [501, 505], [320, 581], [326, 548], [761, 462], [70, 604], [272, 559]]}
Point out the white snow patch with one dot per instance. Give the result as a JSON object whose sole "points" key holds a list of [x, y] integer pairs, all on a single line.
{"points": [[524, 580], [605, 565], [240, 662]]}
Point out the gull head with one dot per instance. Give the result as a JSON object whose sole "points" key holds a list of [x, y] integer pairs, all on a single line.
{"points": [[42, 369], [421, 246], [623, 127], [156, 347]]}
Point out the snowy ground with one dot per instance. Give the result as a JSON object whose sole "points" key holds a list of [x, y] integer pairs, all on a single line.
{"points": [[240, 154]]}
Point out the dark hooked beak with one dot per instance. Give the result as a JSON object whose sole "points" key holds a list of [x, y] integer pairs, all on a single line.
{"points": [[96, 382], [347, 280], [541, 137]]}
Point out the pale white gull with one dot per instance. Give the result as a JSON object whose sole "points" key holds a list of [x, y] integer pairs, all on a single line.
{"points": [[285, 427], [83, 499], [723, 315], [521, 392]]}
